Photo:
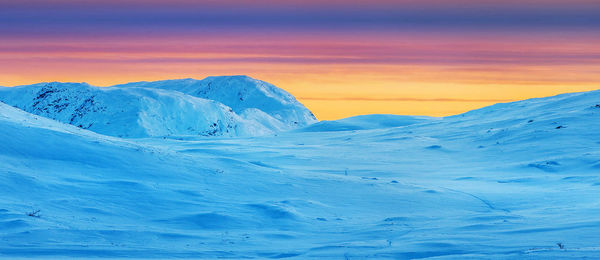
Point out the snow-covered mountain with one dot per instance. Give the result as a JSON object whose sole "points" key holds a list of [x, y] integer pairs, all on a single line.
{"points": [[243, 94], [511, 181], [216, 106]]}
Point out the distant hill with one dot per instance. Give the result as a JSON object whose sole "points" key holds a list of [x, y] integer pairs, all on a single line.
{"points": [[216, 106], [366, 122]]}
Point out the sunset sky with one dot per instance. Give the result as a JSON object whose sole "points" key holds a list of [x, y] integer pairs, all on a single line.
{"points": [[339, 58]]}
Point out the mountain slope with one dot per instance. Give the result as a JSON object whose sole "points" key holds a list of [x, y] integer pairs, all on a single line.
{"points": [[147, 111], [242, 94]]}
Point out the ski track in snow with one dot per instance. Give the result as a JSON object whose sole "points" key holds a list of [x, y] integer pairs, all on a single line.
{"points": [[502, 182]]}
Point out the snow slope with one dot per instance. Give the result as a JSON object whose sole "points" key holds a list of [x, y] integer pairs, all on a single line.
{"points": [[243, 94], [511, 181], [365, 122], [148, 111]]}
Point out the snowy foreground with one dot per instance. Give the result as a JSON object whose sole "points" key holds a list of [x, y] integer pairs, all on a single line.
{"points": [[517, 180]]}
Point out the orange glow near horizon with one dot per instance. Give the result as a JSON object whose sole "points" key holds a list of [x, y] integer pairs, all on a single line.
{"points": [[335, 76]]}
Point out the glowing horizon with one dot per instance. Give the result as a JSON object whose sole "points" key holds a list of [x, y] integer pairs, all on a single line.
{"points": [[341, 59]]}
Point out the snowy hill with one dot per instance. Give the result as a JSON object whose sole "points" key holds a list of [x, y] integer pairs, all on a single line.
{"points": [[365, 122], [148, 110], [512, 181], [243, 94]]}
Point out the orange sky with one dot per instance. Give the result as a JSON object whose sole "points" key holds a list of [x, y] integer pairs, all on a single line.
{"points": [[361, 65]]}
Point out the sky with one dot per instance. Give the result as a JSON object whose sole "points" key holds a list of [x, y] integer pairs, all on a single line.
{"points": [[339, 58]]}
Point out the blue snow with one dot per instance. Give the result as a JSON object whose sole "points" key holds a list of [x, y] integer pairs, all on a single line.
{"points": [[501, 182]]}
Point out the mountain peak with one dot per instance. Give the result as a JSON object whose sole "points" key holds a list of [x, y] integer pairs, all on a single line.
{"points": [[231, 77], [241, 93]]}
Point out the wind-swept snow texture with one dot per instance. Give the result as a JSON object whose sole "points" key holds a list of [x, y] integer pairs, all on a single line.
{"points": [[216, 106], [512, 181]]}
